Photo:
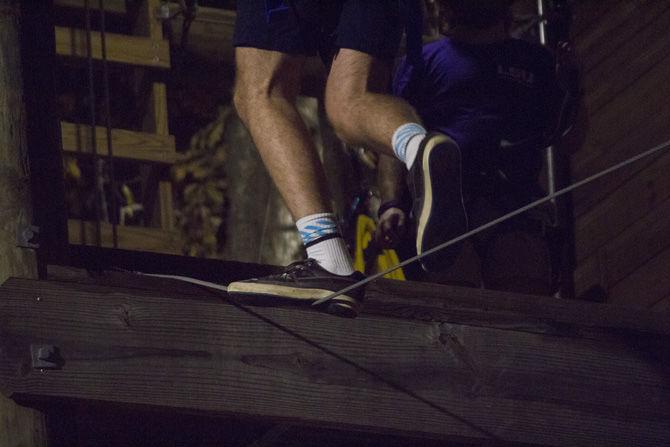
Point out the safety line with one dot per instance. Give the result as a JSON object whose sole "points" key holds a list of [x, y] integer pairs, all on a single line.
{"points": [[494, 222], [94, 147], [199, 282], [108, 125]]}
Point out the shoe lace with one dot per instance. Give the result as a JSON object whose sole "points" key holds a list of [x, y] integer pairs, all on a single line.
{"points": [[298, 268]]}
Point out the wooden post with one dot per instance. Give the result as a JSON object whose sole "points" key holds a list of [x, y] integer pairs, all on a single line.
{"points": [[19, 426]]}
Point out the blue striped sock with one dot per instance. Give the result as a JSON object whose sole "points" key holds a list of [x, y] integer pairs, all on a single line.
{"points": [[317, 227], [405, 145], [323, 241]]}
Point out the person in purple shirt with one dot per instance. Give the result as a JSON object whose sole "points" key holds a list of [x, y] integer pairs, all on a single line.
{"points": [[498, 99]]}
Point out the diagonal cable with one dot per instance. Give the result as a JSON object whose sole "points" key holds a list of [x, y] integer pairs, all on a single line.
{"points": [[501, 219]]}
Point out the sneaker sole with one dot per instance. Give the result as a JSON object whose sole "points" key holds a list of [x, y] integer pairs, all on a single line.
{"points": [[346, 308], [441, 196], [268, 294]]}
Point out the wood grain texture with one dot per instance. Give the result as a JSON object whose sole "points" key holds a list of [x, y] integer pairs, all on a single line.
{"points": [[148, 23], [654, 274], [392, 375], [633, 247], [648, 191], [129, 237], [620, 225], [633, 118], [125, 143], [156, 119], [662, 305], [639, 46], [19, 426], [166, 208], [121, 48]]}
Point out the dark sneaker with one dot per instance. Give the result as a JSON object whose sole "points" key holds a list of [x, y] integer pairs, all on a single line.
{"points": [[436, 186], [302, 282]]}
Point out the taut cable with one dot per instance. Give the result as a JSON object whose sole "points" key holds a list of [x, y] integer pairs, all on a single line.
{"points": [[501, 219]]}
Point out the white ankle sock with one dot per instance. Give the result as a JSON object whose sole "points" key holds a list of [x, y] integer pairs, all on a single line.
{"points": [[406, 141], [323, 242]]}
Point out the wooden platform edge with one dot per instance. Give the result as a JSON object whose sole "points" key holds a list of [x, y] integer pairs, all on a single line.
{"points": [[387, 375]]}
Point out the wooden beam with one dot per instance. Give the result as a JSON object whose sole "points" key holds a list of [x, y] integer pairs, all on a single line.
{"points": [[111, 6], [125, 143], [156, 118], [166, 210], [154, 240], [121, 48], [148, 23], [24, 109], [416, 376]]}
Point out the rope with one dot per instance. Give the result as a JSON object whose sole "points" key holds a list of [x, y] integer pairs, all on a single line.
{"points": [[94, 149], [199, 282], [501, 219], [110, 153]]}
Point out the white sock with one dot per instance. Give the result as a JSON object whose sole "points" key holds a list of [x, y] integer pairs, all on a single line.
{"points": [[323, 242], [406, 141]]}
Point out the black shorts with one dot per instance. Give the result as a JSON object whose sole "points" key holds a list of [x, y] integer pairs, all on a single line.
{"points": [[309, 27]]}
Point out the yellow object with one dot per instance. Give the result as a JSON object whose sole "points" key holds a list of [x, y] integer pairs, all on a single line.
{"points": [[365, 229]]}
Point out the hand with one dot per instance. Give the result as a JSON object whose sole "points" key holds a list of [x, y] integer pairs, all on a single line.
{"points": [[391, 228]]}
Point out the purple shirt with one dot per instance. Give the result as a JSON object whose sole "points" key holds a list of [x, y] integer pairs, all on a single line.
{"points": [[481, 95]]}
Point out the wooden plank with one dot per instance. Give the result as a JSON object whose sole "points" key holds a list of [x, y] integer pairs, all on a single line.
{"points": [[614, 27], [648, 189], [165, 203], [121, 48], [662, 305], [302, 367], [156, 119], [125, 143], [129, 238], [630, 61], [406, 300], [587, 13], [624, 120], [630, 126], [148, 22], [631, 248], [111, 6], [647, 285], [24, 110]]}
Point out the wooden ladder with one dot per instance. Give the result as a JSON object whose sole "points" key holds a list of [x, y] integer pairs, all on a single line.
{"points": [[146, 48]]}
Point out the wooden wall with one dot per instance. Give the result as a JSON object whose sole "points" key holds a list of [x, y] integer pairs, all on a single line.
{"points": [[623, 220]]}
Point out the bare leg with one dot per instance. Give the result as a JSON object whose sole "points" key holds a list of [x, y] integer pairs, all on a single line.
{"points": [[357, 102], [267, 84]]}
